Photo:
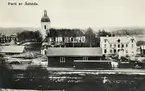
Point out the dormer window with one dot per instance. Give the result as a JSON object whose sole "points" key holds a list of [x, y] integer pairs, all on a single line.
{"points": [[105, 40]]}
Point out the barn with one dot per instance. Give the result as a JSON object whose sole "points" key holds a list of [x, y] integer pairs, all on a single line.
{"points": [[65, 57]]}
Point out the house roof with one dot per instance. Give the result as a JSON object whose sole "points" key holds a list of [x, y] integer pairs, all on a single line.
{"points": [[12, 49], [114, 40], [95, 51]]}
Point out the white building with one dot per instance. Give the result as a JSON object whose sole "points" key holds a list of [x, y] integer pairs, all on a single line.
{"points": [[123, 46]]}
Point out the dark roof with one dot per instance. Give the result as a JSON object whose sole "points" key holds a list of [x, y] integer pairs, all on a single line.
{"points": [[45, 18], [95, 51]]}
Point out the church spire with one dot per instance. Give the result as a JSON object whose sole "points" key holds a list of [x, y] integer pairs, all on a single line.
{"points": [[45, 12]]}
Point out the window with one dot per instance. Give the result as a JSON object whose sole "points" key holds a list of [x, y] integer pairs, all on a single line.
{"points": [[85, 58], [132, 40], [132, 45], [110, 45], [44, 26], [126, 51], [118, 40], [118, 45], [122, 45], [105, 40], [110, 51], [126, 45], [62, 59], [105, 45], [45, 52], [118, 50], [105, 51], [114, 50], [114, 45]]}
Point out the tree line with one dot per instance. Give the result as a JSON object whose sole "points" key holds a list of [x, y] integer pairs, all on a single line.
{"points": [[92, 37], [30, 36]]}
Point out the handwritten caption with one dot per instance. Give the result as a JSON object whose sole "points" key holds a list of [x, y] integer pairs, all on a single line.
{"points": [[22, 3]]}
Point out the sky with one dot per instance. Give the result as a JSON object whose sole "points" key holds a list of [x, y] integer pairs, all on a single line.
{"points": [[74, 13]]}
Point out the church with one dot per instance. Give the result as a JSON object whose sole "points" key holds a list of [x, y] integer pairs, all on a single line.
{"points": [[62, 38]]}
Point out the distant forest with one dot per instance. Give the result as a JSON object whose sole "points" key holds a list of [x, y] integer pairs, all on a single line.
{"points": [[129, 32]]}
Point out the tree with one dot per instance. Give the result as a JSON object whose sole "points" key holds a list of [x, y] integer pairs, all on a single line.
{"points": [[90, 37], [103, 33], [6, 73], [34, 36]]}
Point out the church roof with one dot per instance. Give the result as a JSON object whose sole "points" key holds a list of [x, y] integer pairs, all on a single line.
{"points": [[45, 18]]}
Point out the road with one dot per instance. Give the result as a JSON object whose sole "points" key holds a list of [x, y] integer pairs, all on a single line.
{"points": [[113, 71], [72, 70]]}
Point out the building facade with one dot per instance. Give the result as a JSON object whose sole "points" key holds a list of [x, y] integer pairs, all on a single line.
{"points": [[65, 57], [7, 39], [123, 46]]}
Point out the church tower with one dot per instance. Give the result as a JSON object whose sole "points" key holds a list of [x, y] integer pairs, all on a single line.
{"points": [[45, 25]]}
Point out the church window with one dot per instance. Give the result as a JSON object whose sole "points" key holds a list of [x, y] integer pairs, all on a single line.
{"points": [[44, 26]]}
